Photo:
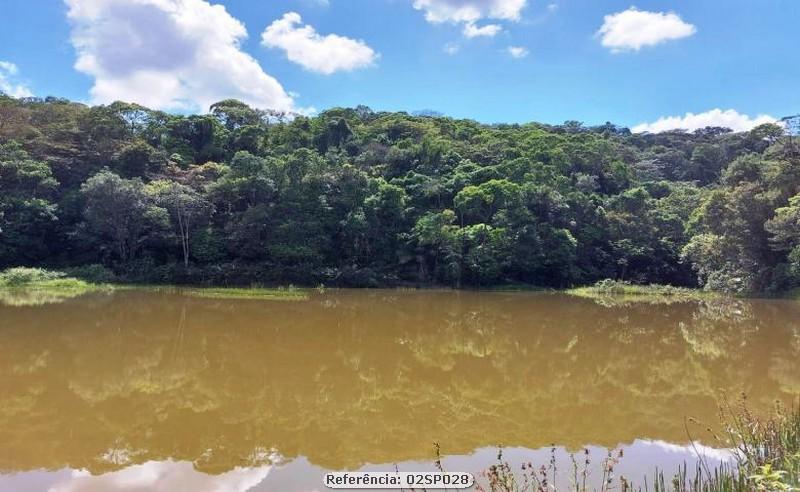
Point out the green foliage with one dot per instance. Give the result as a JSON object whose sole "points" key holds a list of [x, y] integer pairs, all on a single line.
{"points": [[23, 286], [614, 292], [357, 197], [746, 229], [23, 276], [187, 210], [280, 294], [93, 273], [27, 214], [120, 212]]}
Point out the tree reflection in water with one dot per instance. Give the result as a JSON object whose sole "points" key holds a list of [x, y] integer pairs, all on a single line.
{"points": [[105, 382]]}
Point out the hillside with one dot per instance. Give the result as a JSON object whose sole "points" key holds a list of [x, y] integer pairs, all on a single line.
{"points": [[354, 197]]}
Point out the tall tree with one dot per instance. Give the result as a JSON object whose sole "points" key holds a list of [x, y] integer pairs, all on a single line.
{"points": [[186, 207], [120, 210]]}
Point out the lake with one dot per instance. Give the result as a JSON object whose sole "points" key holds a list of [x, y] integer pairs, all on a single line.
{"points": [[159, 390]]}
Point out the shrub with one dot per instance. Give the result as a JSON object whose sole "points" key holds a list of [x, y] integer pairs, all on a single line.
{"points": [[21, 276], [610, 286], [95, 273]]}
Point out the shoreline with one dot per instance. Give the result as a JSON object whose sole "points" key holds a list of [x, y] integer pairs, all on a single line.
{"points": [[61, 284]]}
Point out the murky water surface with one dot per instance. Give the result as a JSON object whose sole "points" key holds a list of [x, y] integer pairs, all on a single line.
{"points": [[139, 390]]}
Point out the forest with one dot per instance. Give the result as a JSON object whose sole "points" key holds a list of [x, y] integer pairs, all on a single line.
{"points": [[360, 198]]}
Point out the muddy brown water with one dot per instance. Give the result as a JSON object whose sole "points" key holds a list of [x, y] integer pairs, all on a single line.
{"points": [[146, 390]]}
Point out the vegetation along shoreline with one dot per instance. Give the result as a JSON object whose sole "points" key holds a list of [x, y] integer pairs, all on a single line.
{"points": [[361, 198]]}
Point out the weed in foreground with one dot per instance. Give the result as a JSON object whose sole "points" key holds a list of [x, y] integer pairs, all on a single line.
{"points": [[765, 452]]}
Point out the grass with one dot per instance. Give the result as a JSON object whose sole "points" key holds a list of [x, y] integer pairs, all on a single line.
{"points": [[614, 290], [276, 294], [27, 286], [765, 450], [289, 293], [22, 286]]}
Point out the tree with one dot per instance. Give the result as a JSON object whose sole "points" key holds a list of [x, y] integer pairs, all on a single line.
{"points": [[784, 229], [706, 163], [785, 226], [233, 114], [359, 197], [119, 209], [485, 253], [186, 207], [136, 160], [438, 242], [27, 213]]}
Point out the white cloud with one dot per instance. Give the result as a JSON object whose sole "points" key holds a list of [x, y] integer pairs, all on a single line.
{"points": [[715, 117], [168, 54], [8, 85], [8, 67], [308, 111], [517, 51], [473, 31], [323, 54], [633, 29], [469, 12], [438, 11]]}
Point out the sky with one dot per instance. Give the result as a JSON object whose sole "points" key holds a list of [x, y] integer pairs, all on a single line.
{"points": [[649, 65]]}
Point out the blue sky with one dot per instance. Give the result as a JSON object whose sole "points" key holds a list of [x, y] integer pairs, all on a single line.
{"points": [[733, 62]]}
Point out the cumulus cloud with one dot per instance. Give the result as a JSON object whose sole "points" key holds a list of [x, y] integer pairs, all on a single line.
{"points": [[473, 31], [469, 12], [517, 51], [8, 83], [633, 29], [715, 117], [438, 11], [168, 54], [323, 54]]}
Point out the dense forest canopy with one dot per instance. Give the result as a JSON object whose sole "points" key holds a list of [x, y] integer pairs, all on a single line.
{"points": [[355, 197]]}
